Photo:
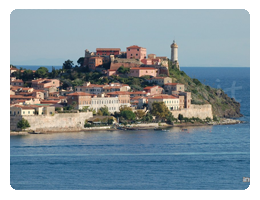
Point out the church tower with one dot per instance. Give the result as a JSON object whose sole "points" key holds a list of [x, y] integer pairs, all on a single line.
{"points": [[174, 54]]}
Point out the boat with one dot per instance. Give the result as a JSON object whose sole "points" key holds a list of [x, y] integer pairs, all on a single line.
{"points": [[184, 129], [33, 132]]}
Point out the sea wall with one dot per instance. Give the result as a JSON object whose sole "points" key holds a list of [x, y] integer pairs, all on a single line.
{"points": [[57, 122], [200, 111]]}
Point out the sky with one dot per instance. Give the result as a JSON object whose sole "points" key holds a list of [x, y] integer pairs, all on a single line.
{"points": [[217, 38]]}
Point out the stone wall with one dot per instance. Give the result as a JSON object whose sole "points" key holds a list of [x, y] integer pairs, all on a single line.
{"points": [[58, 122], [200, 111]]}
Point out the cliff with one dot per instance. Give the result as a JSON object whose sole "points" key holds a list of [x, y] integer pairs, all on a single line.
{"points": [[222, 104]]}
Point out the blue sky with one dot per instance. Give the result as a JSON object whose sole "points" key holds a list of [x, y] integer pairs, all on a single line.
{"points": [[218, 38]]}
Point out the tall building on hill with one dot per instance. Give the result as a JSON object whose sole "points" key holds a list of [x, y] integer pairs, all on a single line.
{"points": [[174, 54]]}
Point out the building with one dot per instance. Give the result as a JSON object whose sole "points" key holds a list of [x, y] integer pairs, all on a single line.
{"points": [[17, 82], [185, 98], [81, 99], [114, 87], [123, 97], [95, 62], [174, 54], [21, 110], [90, 88], [31, 110], [112, 103], [135, 52], [160, 80], [170, 101], [153, 90], [143, 71], [108, 51], [45, 83], [170, 87]]}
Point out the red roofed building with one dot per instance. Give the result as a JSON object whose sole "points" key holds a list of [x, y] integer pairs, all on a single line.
{"points": [[81, 98], [17, 82], [107, 51], [153, 90], [135, 52], [170, 101], [143, 71]]}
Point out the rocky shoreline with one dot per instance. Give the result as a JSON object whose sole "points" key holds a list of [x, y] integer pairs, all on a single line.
{"points": [[223, 121]]}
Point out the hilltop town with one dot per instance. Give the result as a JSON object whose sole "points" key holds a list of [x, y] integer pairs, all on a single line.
{"points": [[106, 83]]}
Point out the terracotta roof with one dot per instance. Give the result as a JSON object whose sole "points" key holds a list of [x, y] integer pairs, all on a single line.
{"points": [[139, 92], [108, 49], [119, 92], [173, 84], [23, 107], [49, 101], [134, 47], [17, 80], [79, 94], [150, 87], [20, 97], [163, 97], [143, 68], [26, 88], [12, 68]]}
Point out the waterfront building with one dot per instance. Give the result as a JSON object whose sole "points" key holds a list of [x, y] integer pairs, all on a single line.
{"points": [[170, 101], [81, 99]]}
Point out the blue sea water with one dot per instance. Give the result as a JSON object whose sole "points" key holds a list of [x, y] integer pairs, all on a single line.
{"points": [[204, 158]]}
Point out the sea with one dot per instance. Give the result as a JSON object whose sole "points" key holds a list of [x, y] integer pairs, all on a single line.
{"points": [[200, 158]]}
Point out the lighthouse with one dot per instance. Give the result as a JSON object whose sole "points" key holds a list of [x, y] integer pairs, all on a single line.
{"points": [[174, 54]]}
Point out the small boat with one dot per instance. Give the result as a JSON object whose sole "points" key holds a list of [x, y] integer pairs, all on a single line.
{"points": [[33, 132], [184, 129]]}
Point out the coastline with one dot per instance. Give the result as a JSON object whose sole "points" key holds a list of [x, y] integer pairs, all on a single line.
{"points": [[149, 126]]}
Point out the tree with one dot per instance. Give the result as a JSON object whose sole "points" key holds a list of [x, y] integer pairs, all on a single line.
{"points": [[148, 117], [23, 124], [180, 117], [160, 110], [123, 70], [123, 108], [140, 114], [42, 72], [80, 61], [68, 64], [128, 114]]}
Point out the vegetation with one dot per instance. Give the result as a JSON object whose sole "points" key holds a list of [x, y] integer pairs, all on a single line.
{"points": [[23, 124]]}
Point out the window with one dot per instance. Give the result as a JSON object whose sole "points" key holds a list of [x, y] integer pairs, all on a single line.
{"points": [[50, 112], [28, 112], [23, 112], [137, 49], [128, 49], [136, 54]]}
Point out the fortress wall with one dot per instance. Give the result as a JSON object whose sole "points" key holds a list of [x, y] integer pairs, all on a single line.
{"points": [[200, 111], [58, 122]]}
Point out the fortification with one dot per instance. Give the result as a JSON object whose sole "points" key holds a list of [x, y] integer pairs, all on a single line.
{"points": [[58, 122], [200, 111]]}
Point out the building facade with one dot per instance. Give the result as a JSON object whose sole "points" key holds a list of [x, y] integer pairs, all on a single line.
{"points": [[143, 71], [135, 52], [170, 101]]}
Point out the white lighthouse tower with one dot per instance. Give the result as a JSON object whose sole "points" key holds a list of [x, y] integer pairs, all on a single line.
{"points": [[174, 54]]}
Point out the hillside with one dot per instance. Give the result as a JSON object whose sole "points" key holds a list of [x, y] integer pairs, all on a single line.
{"points": [[222, 104]]}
